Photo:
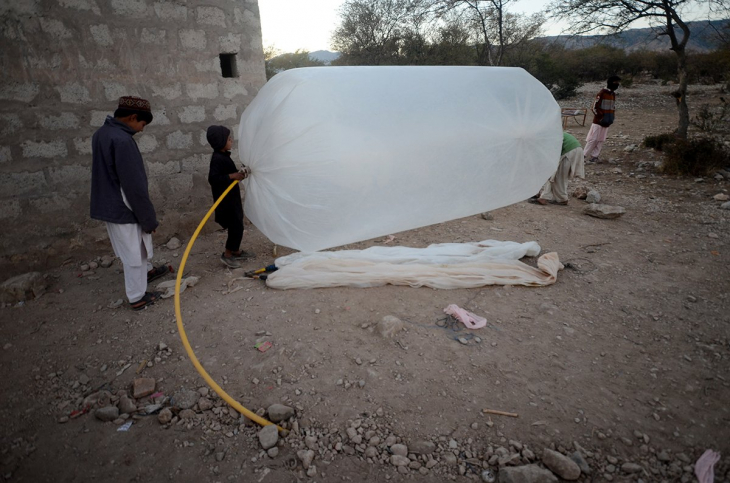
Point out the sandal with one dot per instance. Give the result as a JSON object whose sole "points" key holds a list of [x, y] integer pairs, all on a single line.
{"points": [[537, 201], [156, 273], [149, 298]]}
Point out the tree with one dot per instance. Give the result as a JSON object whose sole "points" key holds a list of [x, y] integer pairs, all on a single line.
{"points": [[452, 43], [372, 32], [428, 32], [270, 52], [664, 16], [282, 62], [494, 29]]}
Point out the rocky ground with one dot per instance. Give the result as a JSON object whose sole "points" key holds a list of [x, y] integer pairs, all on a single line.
{"points": [[618, 372]]}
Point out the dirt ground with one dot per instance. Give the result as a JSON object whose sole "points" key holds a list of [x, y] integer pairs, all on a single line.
{"points": [[625, 360]]}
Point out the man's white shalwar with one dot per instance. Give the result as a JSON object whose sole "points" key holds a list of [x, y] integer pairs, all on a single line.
{"points": [[134, 249]]}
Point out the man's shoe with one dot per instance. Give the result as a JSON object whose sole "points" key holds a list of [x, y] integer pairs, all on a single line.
{"points": [[230, 262]]}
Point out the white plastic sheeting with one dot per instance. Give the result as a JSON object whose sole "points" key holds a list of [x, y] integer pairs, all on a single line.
{"points": [[344, 154], [443, 266]]}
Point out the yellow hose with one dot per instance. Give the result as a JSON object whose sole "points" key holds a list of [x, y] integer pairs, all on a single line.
{"points": [[219, 390]]}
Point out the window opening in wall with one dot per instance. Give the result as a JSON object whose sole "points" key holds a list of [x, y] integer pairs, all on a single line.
{"points": [[228, 65]]}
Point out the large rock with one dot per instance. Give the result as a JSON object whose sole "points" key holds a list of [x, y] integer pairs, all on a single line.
{"points": [[390, 326], [306, 456], [269, 436], [399, 449], [143, 386], [205, 404], [526, 474], [593, 196], [311, 442], [561, 465], [725, 206], [604, 211], [449, 458], [165, 416], [126, 405], [398, 460], [422, 447], [185, 398], [581, 462], [186, 414], [109, 413], [23, 287], [173, 244], [631, 468], [279, 412]]}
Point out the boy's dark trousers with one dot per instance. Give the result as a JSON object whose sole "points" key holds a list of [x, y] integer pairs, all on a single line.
{"points": [[235, 235]]}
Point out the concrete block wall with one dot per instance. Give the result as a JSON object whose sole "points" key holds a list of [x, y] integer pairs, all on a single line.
{"points": [[64, 64]]}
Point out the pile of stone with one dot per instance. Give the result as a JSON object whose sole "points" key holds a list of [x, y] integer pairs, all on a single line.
{"points": [[118, 406], [308, 447], [88, 269], [372, 439]]}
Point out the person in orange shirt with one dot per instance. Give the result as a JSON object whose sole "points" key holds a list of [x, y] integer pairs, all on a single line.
{"points": [[604, 108]]}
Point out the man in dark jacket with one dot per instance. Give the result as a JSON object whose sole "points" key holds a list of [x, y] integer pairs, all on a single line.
{"points": [[120, 197]]}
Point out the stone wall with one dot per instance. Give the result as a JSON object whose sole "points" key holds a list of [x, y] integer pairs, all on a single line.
{"points": [[64, 65]]}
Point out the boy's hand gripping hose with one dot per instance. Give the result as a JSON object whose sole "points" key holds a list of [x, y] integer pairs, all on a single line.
{"points": [[183, 336]]}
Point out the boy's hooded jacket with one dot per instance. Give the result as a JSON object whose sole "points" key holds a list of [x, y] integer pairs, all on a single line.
{"points": [[230, 210], [117, 165]]}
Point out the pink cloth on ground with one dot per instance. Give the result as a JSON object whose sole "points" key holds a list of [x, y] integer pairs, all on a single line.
{"points": [[470, 320], [704, 468]]}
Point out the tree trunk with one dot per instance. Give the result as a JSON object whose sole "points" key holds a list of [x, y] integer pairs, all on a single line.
{"points": [[681, 94]]}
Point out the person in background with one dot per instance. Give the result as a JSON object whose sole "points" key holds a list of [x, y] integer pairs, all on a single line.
{"points": [[555, 190], [229, 213], [120, 197], [604, 108]]}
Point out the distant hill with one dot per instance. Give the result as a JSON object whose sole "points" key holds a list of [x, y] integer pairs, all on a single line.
{"points": [[703, 38], [324, 56]]}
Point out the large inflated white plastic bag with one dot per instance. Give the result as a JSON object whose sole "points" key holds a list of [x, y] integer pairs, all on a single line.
{"points": [[344, 154]]}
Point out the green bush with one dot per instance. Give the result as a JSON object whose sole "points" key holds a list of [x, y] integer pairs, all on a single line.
{"points": [[660, 141], [627, 81], [565, 88], [696, 157]]}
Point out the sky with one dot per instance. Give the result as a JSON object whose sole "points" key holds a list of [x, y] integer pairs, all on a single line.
{"points": [[289, 25]]}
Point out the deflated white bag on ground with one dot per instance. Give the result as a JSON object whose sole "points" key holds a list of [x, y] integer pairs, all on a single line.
{"points": [[442, 266], [344, 154]]}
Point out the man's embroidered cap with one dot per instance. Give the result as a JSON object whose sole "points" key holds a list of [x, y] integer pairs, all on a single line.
{"points": [[134, 103]]}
